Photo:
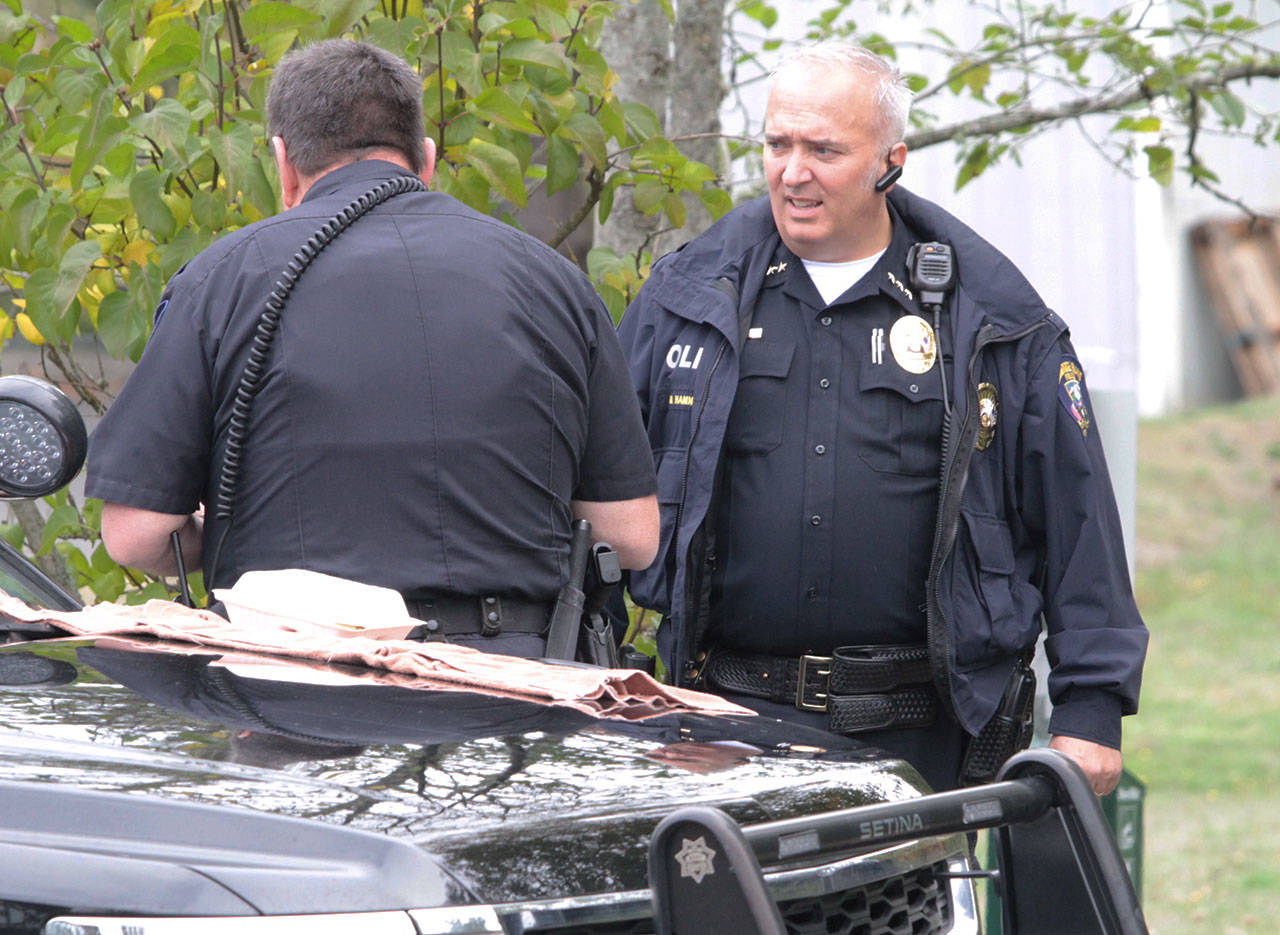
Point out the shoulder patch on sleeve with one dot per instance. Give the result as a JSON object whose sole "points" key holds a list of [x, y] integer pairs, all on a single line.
{"points": [[1072, 395]]}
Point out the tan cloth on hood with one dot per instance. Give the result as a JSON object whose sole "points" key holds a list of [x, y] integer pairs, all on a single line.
{"points": [[617, 693]]}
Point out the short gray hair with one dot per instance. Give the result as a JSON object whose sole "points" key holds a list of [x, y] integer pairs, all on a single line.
{"points": [[892, 96], [341, 99]]}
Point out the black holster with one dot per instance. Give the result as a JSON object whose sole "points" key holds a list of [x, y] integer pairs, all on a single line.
{"points": [[1008, 731]]}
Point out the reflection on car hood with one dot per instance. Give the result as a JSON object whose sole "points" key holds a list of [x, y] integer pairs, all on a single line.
{"points": [[517, 800]]}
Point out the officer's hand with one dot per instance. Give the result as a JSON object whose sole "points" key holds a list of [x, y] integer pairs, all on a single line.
{"points": [[1101, 765]]}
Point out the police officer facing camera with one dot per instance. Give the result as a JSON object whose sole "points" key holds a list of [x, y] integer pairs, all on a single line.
{"points": [[431, 403], [871, 491]]}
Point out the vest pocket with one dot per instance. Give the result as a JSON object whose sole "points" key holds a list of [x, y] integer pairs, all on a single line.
{"points": [[759, 408], [996, 614]]}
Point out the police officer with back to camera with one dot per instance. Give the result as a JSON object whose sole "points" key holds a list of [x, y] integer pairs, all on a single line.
{"points": [[874, 485], [378, 383]]}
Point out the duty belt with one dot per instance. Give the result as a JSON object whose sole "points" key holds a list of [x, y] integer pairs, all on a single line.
{"points": [[859, 688], [489, 615]]}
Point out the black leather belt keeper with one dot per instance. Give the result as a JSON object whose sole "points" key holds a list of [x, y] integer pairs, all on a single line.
{"points": [[860, 688], [489, 615]]}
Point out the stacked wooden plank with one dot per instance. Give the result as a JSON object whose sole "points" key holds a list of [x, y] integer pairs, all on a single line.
{"points": [[1239, 266]]}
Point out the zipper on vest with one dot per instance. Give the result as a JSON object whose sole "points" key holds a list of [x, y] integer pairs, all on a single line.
{"points": [[724, 285], [955, 473]]}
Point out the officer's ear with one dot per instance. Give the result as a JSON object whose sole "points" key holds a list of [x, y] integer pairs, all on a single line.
{"points": [[429, 166], [292, 186]]}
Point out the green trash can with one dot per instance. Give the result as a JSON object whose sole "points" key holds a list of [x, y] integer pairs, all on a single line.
{"points": [[1122, 808]]}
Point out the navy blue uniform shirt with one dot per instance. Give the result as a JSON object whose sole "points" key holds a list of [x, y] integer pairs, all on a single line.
{"points": [[829, 496], [440, 388]]}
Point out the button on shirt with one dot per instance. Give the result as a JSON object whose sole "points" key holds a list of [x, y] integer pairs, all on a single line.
{"points": [[829, 492]]}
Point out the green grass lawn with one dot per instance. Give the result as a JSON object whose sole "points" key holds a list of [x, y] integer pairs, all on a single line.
{"points": [[1207, 739]]}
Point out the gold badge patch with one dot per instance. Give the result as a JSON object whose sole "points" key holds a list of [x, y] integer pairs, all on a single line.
{"points": [[1071, 393], [913, 344], [988, 414]]}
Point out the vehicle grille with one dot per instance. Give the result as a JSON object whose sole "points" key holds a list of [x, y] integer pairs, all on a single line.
{"points": [[914, 903]]}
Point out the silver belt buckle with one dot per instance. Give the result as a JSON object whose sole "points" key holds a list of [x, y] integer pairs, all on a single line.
{"points": [[802, 678]]}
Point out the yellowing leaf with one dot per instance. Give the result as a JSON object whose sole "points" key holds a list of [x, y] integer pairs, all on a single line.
{"points": [[137, 251], [28, 329]]}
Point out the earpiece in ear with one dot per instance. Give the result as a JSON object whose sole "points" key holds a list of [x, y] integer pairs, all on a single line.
{"points": [[888, 178]]}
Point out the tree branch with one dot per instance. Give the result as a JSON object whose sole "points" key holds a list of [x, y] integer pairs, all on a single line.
{"points": [[1022, 117], [595, 183], [51, 563], [22, 143]]}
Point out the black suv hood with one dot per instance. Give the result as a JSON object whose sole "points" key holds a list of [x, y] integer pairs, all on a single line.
{"points": [[510, 799]]}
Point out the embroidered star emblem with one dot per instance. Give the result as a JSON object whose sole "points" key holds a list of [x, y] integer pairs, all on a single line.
{"points": [[696, 860]]}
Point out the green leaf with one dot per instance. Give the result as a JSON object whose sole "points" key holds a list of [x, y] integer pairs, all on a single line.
{"points": [[209, 210], [1203, 172], [153, 214], [591, 135], [976, 78], [717, 201], [462, 61], [975, 162], [120, 161], [97, 134], [641, 121], [460, 130], [562, 164], [605, 206], [73, 29], [501, 170], [534, 52], [1159, 163], [1139, 125], [763, 13], [75, 558], [612, 121], [64, 519], [1229, 108], [119, 324], [51, 293], [601, 261], [673, 206], [496, 105], [168, 123], [12, 534], [175, 52], [649, 196], [264, 17], [234, 150], [75, 87], [338, 16], [468, 186]]}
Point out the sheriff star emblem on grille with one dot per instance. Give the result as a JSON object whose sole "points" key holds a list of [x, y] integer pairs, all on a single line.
{"points": [[696, 859]]}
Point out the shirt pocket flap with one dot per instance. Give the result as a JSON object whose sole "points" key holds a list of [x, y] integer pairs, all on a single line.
{"points": [[766, 360], [991, 543], [916, 387]]}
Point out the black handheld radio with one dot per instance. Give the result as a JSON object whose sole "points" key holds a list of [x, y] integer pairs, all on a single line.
{"points": [[931, 270]]}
